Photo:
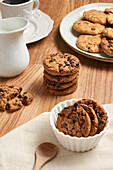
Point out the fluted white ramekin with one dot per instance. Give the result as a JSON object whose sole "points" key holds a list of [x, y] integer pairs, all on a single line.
{"points": [[81, 144]]}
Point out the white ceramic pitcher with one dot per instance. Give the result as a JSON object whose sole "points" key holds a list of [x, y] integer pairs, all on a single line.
{"points": [[14, 55]]}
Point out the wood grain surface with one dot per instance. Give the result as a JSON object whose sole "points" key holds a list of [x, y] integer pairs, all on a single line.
{"points": [[95, 81]]}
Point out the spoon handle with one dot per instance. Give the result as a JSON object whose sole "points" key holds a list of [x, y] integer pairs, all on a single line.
{"points": [[36, 165]]}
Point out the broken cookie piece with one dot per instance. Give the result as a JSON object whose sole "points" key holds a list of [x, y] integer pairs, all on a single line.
{"points": [[27, 98]]}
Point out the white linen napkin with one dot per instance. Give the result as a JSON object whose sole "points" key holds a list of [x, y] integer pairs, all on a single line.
{"points": [[17, 148]]}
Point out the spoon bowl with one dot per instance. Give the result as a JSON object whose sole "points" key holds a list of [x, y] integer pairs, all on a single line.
{"points": [[44, 153]]}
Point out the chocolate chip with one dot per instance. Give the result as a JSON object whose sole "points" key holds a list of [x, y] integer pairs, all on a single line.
{"points": [[21, 89], [76, 104], [89, 101], [19, 105], [1, 90], [61, 70], [19, 96], [92, 28], [72, 122], [101, 114], [77, 64], [83, 114], [64, 132], [73, 128], [109, 46], [50, 61], [65, 107], [25, 92], [68, 59], [25, 97], [67, 76], [60, 65], [94, 106]]}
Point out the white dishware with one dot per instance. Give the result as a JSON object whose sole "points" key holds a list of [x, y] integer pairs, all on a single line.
{"points": [[77, 144], [24, 9], [14, 55], [70, 36]]}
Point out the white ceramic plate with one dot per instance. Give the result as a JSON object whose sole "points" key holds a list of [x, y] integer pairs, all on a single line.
{"points": [[70, 36], [40, 25]]}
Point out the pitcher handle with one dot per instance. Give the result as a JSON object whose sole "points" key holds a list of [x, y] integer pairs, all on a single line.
{"points": [[36, 5]]}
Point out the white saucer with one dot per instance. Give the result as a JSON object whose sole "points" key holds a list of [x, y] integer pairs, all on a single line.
{"points": [[40, 25]]}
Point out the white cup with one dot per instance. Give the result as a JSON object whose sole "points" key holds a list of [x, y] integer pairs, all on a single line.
{"points": [[24, 9]]}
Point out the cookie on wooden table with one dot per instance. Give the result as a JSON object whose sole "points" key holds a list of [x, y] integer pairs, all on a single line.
{"points": [[61, 79], [107, 46], [27, 98], [93, 117], [87, 27], [14, 104], [99, 110], [90, 43], [96, 16], [9, 92], [61, 64], [58, 86], [62, 92], [108, 32], [74, 120]]}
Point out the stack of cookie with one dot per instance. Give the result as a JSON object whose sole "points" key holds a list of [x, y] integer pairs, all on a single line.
{"points": [[97, 30], [84, 118], [61, 72]]}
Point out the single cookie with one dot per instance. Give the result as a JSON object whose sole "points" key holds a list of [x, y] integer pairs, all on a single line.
{"points": [[27, 98], [9, 92], [110, 19], [61, 64], [3, 103], [58, 86], [109, 10], [99, 110], [87, 27], [93, 117], [63, 92], [90, 43], [61, 79], [96, 16], [74, 120], [107, 46], [14, 104], [108, 32]]}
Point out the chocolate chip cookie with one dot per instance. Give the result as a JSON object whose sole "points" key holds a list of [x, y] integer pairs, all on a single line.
{"points": [[87, 27], [62, 92], [61, 64], [110, 19], [93, 117], [99, 110], [58, 86], [90, 43], [9, 92], [27, 98], [96, 16], [14, 104], [61, 79], [108, 32], [107, 46], [109, 10], [74, 121]]}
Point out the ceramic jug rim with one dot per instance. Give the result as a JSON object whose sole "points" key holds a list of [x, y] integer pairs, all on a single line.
{"points": [[23, 23], [22, 4]]}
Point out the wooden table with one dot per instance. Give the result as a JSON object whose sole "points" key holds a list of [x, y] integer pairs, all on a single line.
{"points": [[96, 78]]}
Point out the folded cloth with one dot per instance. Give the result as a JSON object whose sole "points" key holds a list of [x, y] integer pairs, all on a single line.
{"points": [[17, 148]]}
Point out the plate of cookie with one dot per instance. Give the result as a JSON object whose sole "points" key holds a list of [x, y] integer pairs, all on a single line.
{"points": [[89, 31]]}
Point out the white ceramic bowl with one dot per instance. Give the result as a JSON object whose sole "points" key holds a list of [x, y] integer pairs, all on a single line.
{"points": [[81, 144]]}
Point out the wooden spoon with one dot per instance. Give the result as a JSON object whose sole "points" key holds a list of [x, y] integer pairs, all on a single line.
{"points": [[44, 153]]}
